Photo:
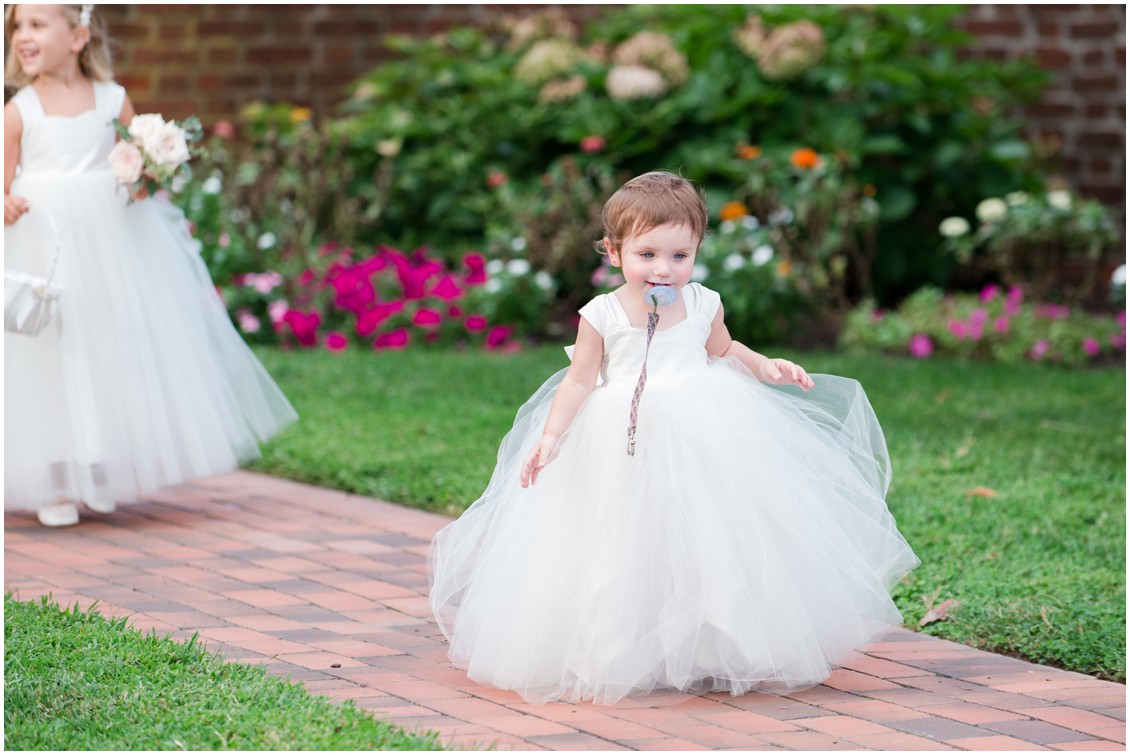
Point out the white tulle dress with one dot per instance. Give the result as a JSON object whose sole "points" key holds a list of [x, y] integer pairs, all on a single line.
{"points": [[142, 382], [746, 544]]}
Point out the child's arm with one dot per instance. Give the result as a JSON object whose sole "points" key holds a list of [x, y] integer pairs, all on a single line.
{"points": [[571, 394], [777, 371], [13, 130]]}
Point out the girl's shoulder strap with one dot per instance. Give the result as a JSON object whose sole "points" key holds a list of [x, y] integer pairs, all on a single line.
{"points": [[701, 300], [27, 102], [109, 96]]}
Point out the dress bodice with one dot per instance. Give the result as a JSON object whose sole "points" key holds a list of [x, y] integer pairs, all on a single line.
{"points": [[53, 144], [674, 350]]}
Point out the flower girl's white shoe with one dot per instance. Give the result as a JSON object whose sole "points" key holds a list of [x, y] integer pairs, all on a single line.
{"points": [[101, 506], [61, 514]]}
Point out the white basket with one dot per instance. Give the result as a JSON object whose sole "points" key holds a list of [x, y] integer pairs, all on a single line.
{"points": [[32, 302]]}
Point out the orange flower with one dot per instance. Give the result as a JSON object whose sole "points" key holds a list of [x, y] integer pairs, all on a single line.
{"points": [[749, 152], [869, 190], [805, 158], [783, 269], [733, 211]]}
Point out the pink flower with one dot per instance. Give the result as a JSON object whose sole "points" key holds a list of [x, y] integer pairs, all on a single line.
{"points": [[264, 283], [497, 336], [477, 264], [306, 278], [958, 328], [368, 320], [592, 144], [276, 310], [224, 130], [1052, 311], [1011, 308], [126, 162], [978, 317], [1001, 324], [1091, 346], [989, 292], [496, 178], [1015, 295], [446, 289], [1120, 318], [304, 326], [224, 240], [454, 312], [336, 342], [878, 315], [354, 289], [920, 346], [426, 318], [476, 323], [394, 340], [248, 322], [1039, 349], [1118, 341], [976, 330], [600, 275]]}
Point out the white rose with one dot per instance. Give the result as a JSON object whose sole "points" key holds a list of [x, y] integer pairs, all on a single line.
{"points": [[1060, 199], [171, 147], [144, 131], [953, 227], [126, 162], [991, 210]]}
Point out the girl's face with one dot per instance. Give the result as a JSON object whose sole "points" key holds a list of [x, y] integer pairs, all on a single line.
{"points": [[663, 256], [44, 39]]}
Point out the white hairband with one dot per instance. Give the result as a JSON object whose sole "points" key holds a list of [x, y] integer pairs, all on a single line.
{"points": [[84, 15]]}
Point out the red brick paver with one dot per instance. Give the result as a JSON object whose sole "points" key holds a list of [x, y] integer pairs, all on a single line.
{"points": [[330, 589]]}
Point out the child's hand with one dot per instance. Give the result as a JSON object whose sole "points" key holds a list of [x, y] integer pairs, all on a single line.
{"points": [[538, 458], [14, 207], [784, 372]]}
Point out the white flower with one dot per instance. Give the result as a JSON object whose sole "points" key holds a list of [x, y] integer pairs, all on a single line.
{"points": [[727, 226], [751, 223], [733, 262], [634, 82], [543, 280], [267, 240], [126, 162], [783, 216], [494, 267], [1118, 277], [700, 273], [1060, 199], [991, 210], [171, 148], [389, 147], [213, 185], [144, 131], [518, 244], [518, 267], [762, 255], [953, 227], [1015, 197], [492, 286]]}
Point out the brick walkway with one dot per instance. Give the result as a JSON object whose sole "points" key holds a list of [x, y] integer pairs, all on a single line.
{"points": [[331, 589]]}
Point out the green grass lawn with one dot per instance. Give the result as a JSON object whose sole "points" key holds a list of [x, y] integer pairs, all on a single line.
{"points": [[1038, 569], [74, 680]]}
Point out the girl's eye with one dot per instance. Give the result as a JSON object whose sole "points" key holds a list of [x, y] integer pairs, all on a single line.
{"points": [[647, 255], [681, 256]]}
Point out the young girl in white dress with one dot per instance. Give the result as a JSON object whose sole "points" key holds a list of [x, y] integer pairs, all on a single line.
{"points": [[740, 540], [140, 381]]}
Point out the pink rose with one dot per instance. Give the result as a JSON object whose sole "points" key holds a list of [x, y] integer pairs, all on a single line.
{"points": [[171, 147], [126, 162]]}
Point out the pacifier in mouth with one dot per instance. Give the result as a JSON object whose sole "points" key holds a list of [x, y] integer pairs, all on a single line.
{"points": [[661, 296]]}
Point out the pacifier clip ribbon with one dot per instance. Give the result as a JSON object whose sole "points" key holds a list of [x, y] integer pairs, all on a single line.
{"points": [[659, 295]]}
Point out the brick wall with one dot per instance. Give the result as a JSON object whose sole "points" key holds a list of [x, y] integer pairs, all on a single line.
{"points": [[209, 59]]}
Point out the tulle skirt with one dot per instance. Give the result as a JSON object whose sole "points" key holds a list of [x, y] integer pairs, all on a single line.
{"points": [[746, 545], [142, 381]]}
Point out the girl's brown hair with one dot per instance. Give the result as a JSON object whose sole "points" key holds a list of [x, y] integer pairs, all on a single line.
{"points": [[94, 61], [649, 201]]}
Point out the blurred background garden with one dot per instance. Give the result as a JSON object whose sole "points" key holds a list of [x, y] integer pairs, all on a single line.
{"points": [[926, 198]]}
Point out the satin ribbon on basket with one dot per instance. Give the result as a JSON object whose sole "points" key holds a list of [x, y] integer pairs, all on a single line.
{"points": [[657, 297]]}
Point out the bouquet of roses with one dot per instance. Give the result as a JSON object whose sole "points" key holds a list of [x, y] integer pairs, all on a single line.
{"points": [[152, 151]]}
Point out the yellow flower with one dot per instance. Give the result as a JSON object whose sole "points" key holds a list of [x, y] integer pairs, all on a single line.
{"points": [[805, 158], [733, 211], [301, 114]]}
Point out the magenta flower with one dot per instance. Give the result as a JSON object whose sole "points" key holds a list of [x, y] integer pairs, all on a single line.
{"points": [[392, 340], [1015, 294], [976, 330], [368, 320], [1011, 308], [476, 323], [1091, 346], [989, 292], [426, 318], [497, 336], [477, 264], [1120, 318], [304, 326], [446, 289], [878, 315], [978, 317], [958, 328], [306, 278], [1039, 349], [1001, 324], [1118, 341], [354, 290], [454, 311], [920, 346], [336, 342]]}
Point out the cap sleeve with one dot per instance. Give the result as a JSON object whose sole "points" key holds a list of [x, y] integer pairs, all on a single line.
{"points": [[27, 103], [113, 96], [594, 312], [706, 302]]}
